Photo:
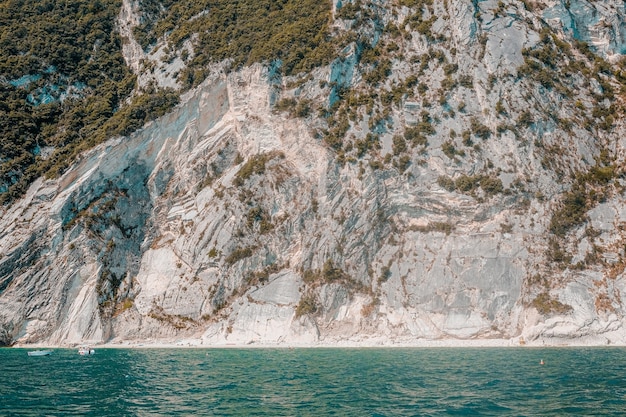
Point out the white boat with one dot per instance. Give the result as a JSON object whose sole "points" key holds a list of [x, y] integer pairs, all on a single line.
{"points": [[84, 351], [40, 353]]}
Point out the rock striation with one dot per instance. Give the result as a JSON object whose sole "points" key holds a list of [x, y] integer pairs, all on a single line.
{"points": [[231, 221]]}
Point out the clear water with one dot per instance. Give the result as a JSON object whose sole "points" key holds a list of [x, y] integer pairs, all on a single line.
{"points": [[315, 382]]}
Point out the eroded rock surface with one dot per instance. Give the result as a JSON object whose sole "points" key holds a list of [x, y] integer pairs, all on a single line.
{"points": [[228, 222]]}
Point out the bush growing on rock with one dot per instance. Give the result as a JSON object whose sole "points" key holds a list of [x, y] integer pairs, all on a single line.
{"points": [[446, 182], [479, 129], [545, 305], [307, 305], [491, 185], [255, 166], [239, 254]]}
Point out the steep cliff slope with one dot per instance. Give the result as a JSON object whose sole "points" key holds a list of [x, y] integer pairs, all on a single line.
{"points": [[457, 172]]}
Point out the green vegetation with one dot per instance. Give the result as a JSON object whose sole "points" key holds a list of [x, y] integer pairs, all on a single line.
{"points": [[122, 305], [469, 184], [450, 150], [177, 321], [255, 166], [416, 21], [385, 274], [63, 86], [466, 81], [441, 227], [588, 189], [553, 64], [446, 183], [330, 274], [295, 108], [382, 70], [556, 253], [479, 129], [415, 137], [545, 305], [296, 33], [491, 185], [525, 119], [70, 49], [307, 305], [239, 254], [262, 276], [572, 212], [256, 215]]}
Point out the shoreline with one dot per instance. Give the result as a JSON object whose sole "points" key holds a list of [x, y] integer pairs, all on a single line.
{"points": [[440, 343]]}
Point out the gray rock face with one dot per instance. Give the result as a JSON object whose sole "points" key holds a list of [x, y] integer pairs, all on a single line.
{"points": [[226, 222], [600, 24]]}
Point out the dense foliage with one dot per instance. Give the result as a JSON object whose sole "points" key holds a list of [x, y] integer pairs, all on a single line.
{"points": [[62, 80], [296, 32], [64, 83]]}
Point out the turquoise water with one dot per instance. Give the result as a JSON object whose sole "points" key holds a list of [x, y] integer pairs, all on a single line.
{"points": [[315, 382]]}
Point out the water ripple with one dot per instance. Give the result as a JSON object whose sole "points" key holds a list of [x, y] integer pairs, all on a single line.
{"points": [[315, 382]]}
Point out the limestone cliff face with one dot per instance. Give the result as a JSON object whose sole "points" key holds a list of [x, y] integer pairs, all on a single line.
{"points": [[600, 24], [231, 221]]}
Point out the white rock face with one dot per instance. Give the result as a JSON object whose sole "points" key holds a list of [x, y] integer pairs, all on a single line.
{"points": [[600, 23], [225, 222]]}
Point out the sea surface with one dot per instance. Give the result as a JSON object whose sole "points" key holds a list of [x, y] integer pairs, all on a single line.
{"points": [[316, 382]]}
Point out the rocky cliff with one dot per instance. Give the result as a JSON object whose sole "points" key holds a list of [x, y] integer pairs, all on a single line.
{"points": [[458, 180]]}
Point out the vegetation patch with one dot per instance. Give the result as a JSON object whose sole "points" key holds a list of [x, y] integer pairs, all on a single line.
{"points": [[330, 274], [239, 254], [545, 305], [63, 86], [295, 108], [469, 184], [262, 276], [308, 305], [177, 321], [122, 306], [294, 33], [255, 166], [441, 227], [479, 129], [256, 215], [64, 83], [589, 188]]}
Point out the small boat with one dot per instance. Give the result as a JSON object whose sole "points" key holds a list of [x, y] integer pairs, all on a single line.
{"points": [[85, 351], [40, 353]]}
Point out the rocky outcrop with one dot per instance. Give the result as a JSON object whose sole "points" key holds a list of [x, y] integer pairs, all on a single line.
{"points": [[600, 24], [230, 222]]}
